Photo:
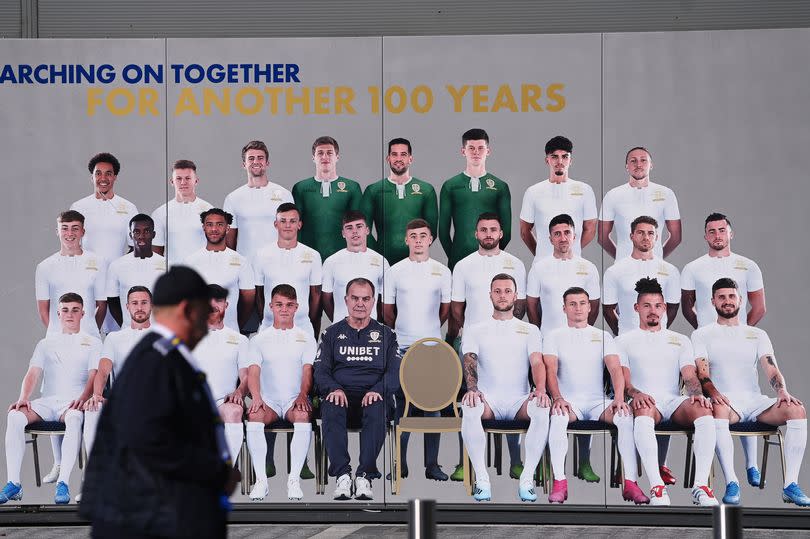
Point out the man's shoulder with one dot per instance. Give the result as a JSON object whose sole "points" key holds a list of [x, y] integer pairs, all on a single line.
{"points": [[335, 329], [305, 185], [83, 202], [424, 186], [454, 182]]}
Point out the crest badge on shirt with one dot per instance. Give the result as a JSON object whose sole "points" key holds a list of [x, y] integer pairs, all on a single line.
{"points": [[662, 270], [300, 337], [582, 269], [507, 265], [674, 341], [658, 196], [275, 196], [92, 265], [740, 265], [235, 261], [491, 184], [436, 270], [752, 335], [416, 189], [375, 261], [160, 265], [522, 329], [85, 342], [121, 208], [375, 336], [341, 187], [576, 191], [306, 258], [596, 337], [232, 340]]}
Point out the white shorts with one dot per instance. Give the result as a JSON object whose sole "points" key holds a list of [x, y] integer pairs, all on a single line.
{"points": [[749, 406], [281, 407], [667, 406], [50, 408], [589, 410], [505, 408]]}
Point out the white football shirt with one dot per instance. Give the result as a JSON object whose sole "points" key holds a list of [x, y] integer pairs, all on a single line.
{"points": [[701, 274], [620, 287], [417, 289], [118, 344], [106, 225], [178, 228], [343, 266], [472, 278], [65, 360], [128, 271], [281, 354], [549, 277], [623, 204], [655, 360], [580, 356], [254, 212], [220, 355], [545, 200]]}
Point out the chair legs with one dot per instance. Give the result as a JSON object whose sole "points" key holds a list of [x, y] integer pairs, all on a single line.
{"points": [[35, 447]]}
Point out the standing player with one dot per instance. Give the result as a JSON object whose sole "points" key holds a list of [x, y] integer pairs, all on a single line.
{"points": [[221, 265], [416, 303], [72, 268], [548, 278], [391, 203], [498, 355], [470, 303], [639, 196], [117, 346], [356, 260], [324, 199], [253, 206], [469, 194], [620, 279], [290, 262], [177, 223], [141, 267], [280, 381], [356, 374], [729, 351], [696, 297], [575, 357], [65, 362], [555, 195], [657, 359]]}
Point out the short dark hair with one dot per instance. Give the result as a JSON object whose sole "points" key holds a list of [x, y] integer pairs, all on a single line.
{"points": [[285, 290], [104, 157], [716, 216], [139, 288], [474, 134], [503, 277], [643, 219], [255, 145], [562, 219], [216, 211], [70, 216], [142, 218], [217, 291], [325, 141], [71, 297], [353, 215], [559, 143], [288, 206], [416, 223], [399, 140], [648, 285], [724, 282], [363, 281], [489, 216], [634, 148], [575, 290], [183, 164]]}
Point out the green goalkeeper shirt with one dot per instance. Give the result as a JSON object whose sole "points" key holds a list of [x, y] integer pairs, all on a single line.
{"points": [[322, 216]]}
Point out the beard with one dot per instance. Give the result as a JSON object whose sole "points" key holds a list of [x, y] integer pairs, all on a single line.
{"points": [[653, 323], [488, 244], [399, 171], [726, 315], [505, 309]]}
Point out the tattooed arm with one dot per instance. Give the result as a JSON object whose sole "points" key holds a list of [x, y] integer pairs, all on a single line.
{"points": [[693, 388], [473, 395], [777, 381], [640, 399], [706, 383]]}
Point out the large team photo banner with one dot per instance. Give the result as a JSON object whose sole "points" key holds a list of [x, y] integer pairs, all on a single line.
{"points": [[723, 114]]}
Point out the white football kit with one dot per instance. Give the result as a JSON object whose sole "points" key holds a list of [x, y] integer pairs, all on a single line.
{"points": [[220, 355], [106, 225], [228, 269], [624, 203], [701, 274], [472, 278], [128, 271], [299, 267], [550, 277], [620, 287], [84, 274], [254, 212], [178, 228], [545, 200], [117, 346], [417, 289], [343, 266]]}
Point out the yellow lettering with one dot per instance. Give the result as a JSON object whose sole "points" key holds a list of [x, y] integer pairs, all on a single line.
{"points": [[272, 93], [242, 94], [344, 95], [553, 92], [401, 99], [458, 95], [504, 99], [147, 102], [291, 100], [187, 103], [321, 100], [93, 100], [428, 99], [529, 96], [129, 102], [480, 98], [374, 92], [210, 98]]}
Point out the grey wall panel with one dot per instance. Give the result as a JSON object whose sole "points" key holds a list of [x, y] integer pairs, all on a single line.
{"points": [[10, 18], [286, 18]]}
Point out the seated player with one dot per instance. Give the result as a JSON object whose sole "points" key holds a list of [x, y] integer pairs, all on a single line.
{"points": [[498, 354], [575, 357], [117, 346], [729, 351], [280, 380], [356, 375], [66, 363], [222, 356], [654, 357]]}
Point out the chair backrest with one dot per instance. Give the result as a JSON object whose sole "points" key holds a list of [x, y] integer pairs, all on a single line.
{"points": [[430, 374]]}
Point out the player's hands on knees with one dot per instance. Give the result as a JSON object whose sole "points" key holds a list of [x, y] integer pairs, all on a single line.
{"points": [[302, 403], [370, 398], [704, 402], [235, 398], [472, 398], [76, 404], [257, 405], [786, 398], [719, 398], [560, 406], [541, 398], [338, 398], [643, 400], [92, 404], [19, 405], [619, 407]]}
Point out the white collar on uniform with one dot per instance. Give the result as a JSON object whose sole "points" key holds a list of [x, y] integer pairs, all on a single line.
{"points": [[400, 187], [475, 183]]}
